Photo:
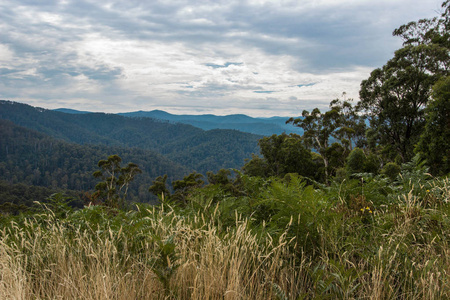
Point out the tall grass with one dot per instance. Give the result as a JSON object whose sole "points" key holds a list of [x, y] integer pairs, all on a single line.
{"points": [[283, 240], [48, 259]]}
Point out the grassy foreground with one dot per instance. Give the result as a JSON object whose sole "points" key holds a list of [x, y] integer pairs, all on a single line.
{"points": [[278, 239]]}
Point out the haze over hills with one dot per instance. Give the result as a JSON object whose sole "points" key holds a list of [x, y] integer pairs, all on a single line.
{"points": [[244, 123]]}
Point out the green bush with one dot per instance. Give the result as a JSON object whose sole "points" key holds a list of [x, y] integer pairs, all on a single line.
{"points": [[391, 170], [356, 161]]}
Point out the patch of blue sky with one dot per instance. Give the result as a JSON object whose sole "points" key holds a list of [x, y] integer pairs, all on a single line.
{"points": [[305, 85], [225, 65]]}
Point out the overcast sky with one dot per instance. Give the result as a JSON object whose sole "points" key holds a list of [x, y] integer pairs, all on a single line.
{"points": [[257, 57]]}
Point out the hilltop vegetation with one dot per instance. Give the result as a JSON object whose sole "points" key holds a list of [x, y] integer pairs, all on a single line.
{"points": [[357, 207]]}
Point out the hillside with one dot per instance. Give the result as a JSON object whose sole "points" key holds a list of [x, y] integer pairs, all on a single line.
{"points": [[33, 158], [195, 148]]}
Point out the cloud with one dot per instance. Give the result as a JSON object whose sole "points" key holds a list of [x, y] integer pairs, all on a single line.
{"points": [[211, 56]]}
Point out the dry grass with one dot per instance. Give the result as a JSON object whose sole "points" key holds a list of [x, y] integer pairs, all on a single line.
{"points": [[59, 262], [405, 256]]}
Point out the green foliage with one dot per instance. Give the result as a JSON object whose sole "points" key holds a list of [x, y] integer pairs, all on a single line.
{"points": [[342, 239], [159, 187], [429, 32], [336, 155], [434, 145], [394, 96], [282, 154], [58, 203], [356, 161], [164, 265], [391, 170], [317, 127], [333, 279], [293, 205], [342, 123], [221, 177], [212, 150], [257, 166], [17, 198], [183, 187], [351, 125], [112, 190], [397, 118], [415, 175], [372, 163], [359, 162]]}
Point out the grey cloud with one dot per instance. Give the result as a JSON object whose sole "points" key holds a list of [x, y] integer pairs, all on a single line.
{"points": [[102, 73], [211, 90], [5, 71], [319, 40], [326, 35]]}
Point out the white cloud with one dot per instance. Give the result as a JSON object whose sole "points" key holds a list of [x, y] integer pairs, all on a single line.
{"points": [[6, 55]]}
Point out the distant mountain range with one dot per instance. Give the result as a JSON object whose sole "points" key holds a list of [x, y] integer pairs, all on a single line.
{"points": [[192, 147], [244, 123], [60, 149]]}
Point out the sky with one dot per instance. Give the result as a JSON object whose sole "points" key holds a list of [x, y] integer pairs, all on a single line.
{"points": [[257, 57]]}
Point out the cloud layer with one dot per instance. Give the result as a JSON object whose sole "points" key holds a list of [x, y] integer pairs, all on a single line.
{"points": [[257, 57]]}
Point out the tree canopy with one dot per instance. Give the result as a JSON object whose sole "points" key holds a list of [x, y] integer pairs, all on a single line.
{"points": [[396, 95]]}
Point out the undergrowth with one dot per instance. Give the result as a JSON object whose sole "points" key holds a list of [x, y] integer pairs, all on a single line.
{"points": [[365, 238]]}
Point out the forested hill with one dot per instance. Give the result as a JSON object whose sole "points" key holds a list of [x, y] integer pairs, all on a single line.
{"points": [[192, 147], [33, 158], [261, 126], [96, 128]]}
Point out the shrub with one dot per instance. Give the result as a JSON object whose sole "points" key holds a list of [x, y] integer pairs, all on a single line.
{"points": [[391, 170], [356, 161]]}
